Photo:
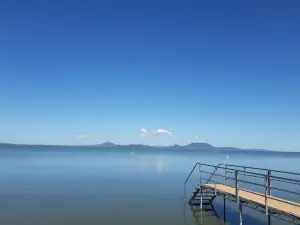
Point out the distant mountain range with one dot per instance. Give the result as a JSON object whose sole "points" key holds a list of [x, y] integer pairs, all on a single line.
{"points": [[192, 146]]}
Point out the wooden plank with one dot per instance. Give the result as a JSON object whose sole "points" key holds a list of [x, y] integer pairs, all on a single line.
{"points": [[274, 203]]}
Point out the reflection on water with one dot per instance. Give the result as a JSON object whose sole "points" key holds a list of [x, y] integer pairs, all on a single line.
{"points": [[158, 164], [206, 215], [225, 211], [111, 187]]}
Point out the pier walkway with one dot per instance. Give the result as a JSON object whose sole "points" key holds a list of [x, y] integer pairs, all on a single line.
{"points": [[272, 192]]}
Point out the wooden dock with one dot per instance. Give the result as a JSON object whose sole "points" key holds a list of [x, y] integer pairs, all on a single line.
{"points": [[274, 204], [228, 184]]}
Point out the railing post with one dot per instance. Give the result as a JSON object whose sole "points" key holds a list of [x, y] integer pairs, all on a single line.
{"points": [[236, 187], [245, 176], [266, 194], [225, 174], [200, 173], [269, 182], [215, 187]]}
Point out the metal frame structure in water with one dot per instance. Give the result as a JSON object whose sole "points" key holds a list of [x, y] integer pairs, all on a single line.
{"points": [[241, 173]]}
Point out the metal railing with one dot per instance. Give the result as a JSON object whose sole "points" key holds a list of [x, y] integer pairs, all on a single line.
{"points": [[216, 168], [243, 175]]}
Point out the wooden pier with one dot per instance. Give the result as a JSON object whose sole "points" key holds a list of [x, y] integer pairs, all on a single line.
{"points": [[281, 208], [278, 204]]}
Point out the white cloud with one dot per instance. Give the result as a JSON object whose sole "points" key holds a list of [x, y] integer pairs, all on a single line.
{"points": [[81, 135], [144, 132], [197, 137], [161, 131]]}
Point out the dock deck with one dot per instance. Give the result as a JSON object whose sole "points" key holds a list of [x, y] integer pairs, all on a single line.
{"points": [[277, 204], [231, 184]]}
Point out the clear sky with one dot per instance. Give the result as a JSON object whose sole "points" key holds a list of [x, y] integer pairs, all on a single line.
{"points": [[151, 72]]}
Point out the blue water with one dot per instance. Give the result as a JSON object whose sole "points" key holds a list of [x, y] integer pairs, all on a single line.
{"points": [[91, 186]]}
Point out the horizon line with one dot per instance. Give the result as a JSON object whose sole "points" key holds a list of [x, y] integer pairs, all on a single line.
{"points": [[89, 145]]}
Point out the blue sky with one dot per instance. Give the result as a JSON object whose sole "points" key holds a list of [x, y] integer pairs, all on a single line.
{"points": [[84, 72]]}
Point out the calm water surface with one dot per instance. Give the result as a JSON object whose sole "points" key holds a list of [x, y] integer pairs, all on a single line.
{"points": [[84, 186]]}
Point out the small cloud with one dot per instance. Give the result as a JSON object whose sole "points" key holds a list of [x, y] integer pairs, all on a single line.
{"points": [[197, 137], [161, 131], [144, 132], [81, 135]]}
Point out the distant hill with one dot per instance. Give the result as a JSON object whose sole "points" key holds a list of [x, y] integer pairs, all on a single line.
{"points": [[191, 146], [106, 144], [198, 146]]}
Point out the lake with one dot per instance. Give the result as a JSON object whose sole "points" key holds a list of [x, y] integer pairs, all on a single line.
{"points": [[64, 186]]}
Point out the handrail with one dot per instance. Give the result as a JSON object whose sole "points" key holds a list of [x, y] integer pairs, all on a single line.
{"points": [[250, 167], [216, 168], [263, 169], [191, 173], [248, 173], [242, 171], [282, 179]]}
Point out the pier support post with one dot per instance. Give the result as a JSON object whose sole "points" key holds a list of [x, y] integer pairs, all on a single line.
{"points": [[224, 208], [241, 214], [201, 217], [201, 198]]}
